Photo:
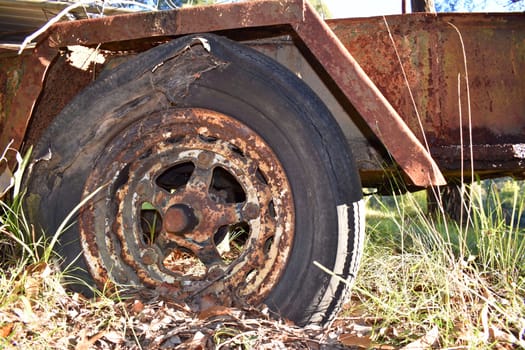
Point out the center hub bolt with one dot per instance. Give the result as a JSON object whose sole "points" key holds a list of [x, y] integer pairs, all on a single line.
{"points": [[179, 219]]}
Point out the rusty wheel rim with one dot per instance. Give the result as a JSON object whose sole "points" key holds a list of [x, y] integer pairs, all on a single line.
{"points": [[200, 206]]}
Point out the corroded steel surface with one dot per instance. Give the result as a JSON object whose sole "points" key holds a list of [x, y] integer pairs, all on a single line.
{"points": [[24, 84], [369, 101], [63, 81], [180, 172], [11, 74], [31, 72], [489, 160], [361, 92], [182, 21], [431, 53]]}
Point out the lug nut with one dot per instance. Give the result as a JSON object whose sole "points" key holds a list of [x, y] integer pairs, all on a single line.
{"points": [[179, 219], [204, 159], [250, 211], [149, 256]]}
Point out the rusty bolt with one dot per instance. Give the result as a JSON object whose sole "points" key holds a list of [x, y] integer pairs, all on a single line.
{"points": [[204, 160], [149, 256], [175, 220], [215, 272], [141, 189], [179, 218], [250, 211]]}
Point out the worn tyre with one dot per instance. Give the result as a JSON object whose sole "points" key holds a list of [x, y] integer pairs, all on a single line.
{"points": [[222, 179]]}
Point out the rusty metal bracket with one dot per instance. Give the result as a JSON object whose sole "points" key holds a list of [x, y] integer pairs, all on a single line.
{"points": [[35, 66], [182, 21], [364, 95], [374, 108]]}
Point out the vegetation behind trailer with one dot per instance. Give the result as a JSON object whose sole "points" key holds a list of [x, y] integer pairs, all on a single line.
{"points": [[223, 148]]}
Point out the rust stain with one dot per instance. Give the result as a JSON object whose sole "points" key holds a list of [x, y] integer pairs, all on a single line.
{"points": [[432, 56], [182, 21], [24, 94], [371, 104], [177, 219], [194, 213], [63, 82], [428, 46]]}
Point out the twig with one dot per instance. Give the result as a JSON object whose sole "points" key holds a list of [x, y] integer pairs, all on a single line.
{"points": [[331, 273], [46, 26], [469, 112], [408, 85], [70, 8]]}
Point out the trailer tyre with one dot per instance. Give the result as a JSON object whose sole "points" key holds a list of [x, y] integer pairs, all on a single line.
{"points": [[219, 177]]}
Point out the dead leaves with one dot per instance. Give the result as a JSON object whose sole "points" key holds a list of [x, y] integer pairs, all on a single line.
{"points": [[355, 340], [85, 342], [425, 342], [356, 335], [81, 324], [5, 330], [214, 311], [149, 321], [164, 325]]}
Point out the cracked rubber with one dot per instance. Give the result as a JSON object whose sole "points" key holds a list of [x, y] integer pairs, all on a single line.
{"points": [[242, 83]]}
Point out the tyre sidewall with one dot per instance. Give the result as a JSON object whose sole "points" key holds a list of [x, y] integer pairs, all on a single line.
{"points": [[251, 88]]}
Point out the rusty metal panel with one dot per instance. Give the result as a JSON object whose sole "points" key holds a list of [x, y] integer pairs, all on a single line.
{"points": [[11, 74], [22, 94], [65, 78], [303, 19], [494, 160], [182, 21], [429, 49], [431, 54], [368, 158], [368, 101]]}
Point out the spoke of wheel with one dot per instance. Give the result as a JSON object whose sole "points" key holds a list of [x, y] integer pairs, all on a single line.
{"points": [[208, 254], [150, 192], [264, 196], [205, 251], [228, 214], [199, 181]]}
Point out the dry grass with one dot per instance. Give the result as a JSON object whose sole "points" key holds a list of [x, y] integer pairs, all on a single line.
{"points": [[420, 274], [424, 281]]}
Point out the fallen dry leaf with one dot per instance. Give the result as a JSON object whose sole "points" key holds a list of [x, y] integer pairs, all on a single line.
{"points": [[114, 337], [216, 310], [6, 181], [425, 342], [361, 329], [137, 307], [6, 330], [85, 342], [198, 342], [355, 340], [485, 322], [25, 314], [499, 335]]}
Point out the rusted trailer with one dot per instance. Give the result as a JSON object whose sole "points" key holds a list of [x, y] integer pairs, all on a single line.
{"points": [[223, 149]]}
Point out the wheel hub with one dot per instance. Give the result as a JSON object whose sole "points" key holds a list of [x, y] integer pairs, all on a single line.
{"points": [[179, 219], [204, 207]]}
